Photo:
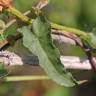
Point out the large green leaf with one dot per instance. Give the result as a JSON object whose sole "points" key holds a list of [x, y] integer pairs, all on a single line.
{"points": [[37, 39]]}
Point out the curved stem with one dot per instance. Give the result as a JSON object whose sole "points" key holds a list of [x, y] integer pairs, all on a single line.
{"points": [[68, 29], [26, 19], [85, 37]]}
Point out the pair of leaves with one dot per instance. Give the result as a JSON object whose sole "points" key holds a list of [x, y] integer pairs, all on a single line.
{"points": [[37, 38]]}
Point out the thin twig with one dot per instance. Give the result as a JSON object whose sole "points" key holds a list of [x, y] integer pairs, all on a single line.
{"points": [[11, 22], [25, 78]]}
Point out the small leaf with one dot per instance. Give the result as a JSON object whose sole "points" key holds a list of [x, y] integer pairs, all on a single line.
{"points": [[92, 41], [3, 71], [38, 40]]}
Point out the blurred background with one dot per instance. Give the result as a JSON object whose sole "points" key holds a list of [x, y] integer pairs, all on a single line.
{"points": [[79, 14]]}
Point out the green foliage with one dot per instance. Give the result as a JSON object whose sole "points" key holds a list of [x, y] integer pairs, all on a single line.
{"points": [[37, 39]]}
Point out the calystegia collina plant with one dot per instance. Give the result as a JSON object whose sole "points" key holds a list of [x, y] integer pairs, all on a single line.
{"points": [[36, 33]]}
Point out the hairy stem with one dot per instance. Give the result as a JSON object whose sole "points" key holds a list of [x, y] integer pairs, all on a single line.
{"points": [[18, 14], [68, 29], [28, 20]]}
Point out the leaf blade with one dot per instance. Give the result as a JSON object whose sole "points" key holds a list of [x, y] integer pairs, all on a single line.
{"points": [[38, 40]]}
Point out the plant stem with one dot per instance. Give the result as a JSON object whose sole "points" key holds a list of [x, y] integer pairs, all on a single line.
{"points": [[68, 29], [28, 20], [25, 78], [31, 78], [85, 37], [17, 13]]}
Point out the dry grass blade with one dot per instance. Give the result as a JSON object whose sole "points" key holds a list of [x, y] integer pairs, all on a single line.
{"points": [[42, 3]]}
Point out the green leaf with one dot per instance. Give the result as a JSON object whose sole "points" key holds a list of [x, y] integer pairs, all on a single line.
{"points": [[38, 40], [3, 71], [92, 42]]}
